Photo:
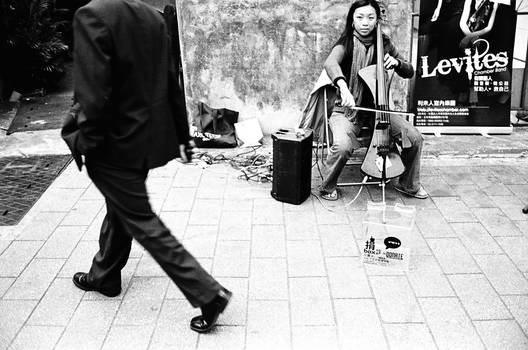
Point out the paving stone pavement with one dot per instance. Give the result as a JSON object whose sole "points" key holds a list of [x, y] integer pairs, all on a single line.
{"points": [[295, 271]]}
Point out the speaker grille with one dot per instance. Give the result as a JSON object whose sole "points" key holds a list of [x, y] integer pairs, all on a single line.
{"points": [[292, 166]]}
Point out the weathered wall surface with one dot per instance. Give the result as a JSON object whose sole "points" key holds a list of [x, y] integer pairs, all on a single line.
{"points": [[261, 57]]}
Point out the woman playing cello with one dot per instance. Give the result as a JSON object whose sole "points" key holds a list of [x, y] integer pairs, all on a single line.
{"points": [[355, 50]]}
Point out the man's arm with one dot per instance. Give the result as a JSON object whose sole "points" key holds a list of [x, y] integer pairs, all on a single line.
{"points": [[92, 76]]}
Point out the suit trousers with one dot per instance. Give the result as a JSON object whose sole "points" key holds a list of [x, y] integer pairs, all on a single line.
{"points": [[129, 215]]}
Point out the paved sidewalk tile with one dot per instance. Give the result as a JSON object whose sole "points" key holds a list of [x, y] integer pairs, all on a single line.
{"points": [[58, 199], [35, 280], [336, 217], [62, 242], [427, 279], [225, 265], [176, 222], [395, 299], [301, 225], [225, 337], [518, 306], [212, 185], [58, 304], [450, 326], [5, 283], [502, 334], [268, 279], [437, 187], [314, 338], [520, 191], [238, 205], [89, 325], [41, 226], [172, 329], [158, 186], [409, 336], [235, 225], [268, 241], [338, 241], [201, 240], [478, 297], [473, 196], [496, 222], [347, 278], [476, 238], [305, 259], [206, 212], [71, 177], [128, 337], [511, 206], [179, 199], [456, 175], [93, 231], [454, 210], [502, 274], [432, 224], [310, 302], [358, 324], [267, 211], [14, 315], [452, 256], [17, 256], [92, 193], [83, 213], [37, 337], [4, 245], [263, 334], [418, 244], [142, 302], [496, 189], [188, 175], [517, 249]]}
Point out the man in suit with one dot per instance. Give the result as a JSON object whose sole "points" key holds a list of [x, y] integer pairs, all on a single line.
{"points": [[130, 119]]}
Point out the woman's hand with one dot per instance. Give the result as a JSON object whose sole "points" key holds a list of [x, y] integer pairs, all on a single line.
{"points": [[390, 62], [347, 100]]}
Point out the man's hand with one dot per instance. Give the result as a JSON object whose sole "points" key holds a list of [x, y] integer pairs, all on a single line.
{"points": [[186, 152]]}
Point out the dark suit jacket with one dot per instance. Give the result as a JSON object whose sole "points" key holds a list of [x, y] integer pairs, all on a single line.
{"points": [[127, 87]]}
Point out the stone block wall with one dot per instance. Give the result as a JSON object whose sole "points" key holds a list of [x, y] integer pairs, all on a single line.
{"points": [[262, 57]]}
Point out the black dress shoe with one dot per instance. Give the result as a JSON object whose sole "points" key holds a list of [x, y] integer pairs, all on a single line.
{"points": [[210, 312], [81, 281]]}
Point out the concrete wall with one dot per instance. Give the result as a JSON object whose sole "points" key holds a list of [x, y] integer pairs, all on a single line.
{"points": [[261, 57]]}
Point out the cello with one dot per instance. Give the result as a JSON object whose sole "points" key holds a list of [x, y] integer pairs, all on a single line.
{"points": [[382, 161]]}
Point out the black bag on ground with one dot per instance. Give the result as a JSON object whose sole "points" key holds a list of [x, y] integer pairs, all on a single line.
{"points": [[215, 127]]}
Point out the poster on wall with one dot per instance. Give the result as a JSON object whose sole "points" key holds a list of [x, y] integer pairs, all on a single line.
{"points": [[465, 54]]}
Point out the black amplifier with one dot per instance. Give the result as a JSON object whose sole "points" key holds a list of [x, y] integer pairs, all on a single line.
{"points": [[292, 165]]}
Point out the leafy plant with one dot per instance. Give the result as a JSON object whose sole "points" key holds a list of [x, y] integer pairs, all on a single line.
{"points": [[32, 46]]}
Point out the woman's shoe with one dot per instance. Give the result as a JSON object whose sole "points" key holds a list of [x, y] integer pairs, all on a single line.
{"points": [[420, 194], [329, 196]]}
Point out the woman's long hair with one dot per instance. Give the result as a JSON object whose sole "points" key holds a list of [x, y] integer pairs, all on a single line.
{"points": [[347, 37]]}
